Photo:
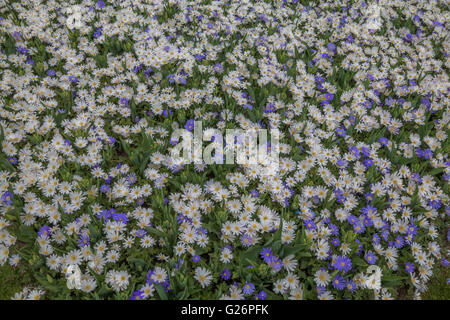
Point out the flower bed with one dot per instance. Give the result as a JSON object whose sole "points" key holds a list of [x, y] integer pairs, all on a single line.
{"points": [[95, 205]]}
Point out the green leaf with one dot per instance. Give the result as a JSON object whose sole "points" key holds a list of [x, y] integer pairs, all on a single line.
{"points": [[249, 255], [436, 171], [156, 232], [162, 294], [302, 248]]}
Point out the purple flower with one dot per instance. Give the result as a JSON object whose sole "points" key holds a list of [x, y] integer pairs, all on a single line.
{"points": [[73, 78], [350, 285], [110, 140], [104, 188], [100, 4], [310, 225], [140, 233], [51, 72], [249, 288], [218, 68], [339, 282], [225, 274], [189, 125], [7, 198], [368, 163], [409, 267], [412, 229], [120, 217], [132, 178], [371, 258], [137, 295], [445, 262], [376, 238], [329, 96], [384, 141], [334, 229], [171, 78], [275, 263], [399, 242], [416, 178], [342, 263], [83, 240], [340, 132], [246, 240], [196, 258], [266, 254], [261, 296], [335, 242], [44, 231]]}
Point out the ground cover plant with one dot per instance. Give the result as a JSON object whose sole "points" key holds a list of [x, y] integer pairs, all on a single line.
{"points": [[94, 207]]}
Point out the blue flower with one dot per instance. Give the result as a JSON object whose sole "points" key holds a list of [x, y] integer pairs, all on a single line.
{"points": [[310, 225], [399, 242], [196, 258], [120, 217], [44, 231], [73, 78], [384, 141], [266, 254], [409, 267], [376, 238], [261, 295], [412, 229], [225, 274], [371, 258], [83, 240], [329, 96], [7, 198], [218, 68], [368, 163], [246, 240], [140, 233], [359, 227], [249, 288], [189, 125], [275, 263], [335, 242], [339, 282], [340, 132], [350, 285], [137, 295], [342, 263]]}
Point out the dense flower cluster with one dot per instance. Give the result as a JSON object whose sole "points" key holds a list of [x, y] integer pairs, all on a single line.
{"points": [[90, 92]]}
